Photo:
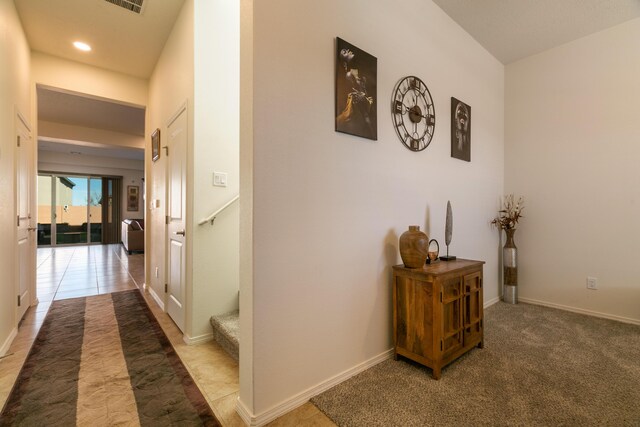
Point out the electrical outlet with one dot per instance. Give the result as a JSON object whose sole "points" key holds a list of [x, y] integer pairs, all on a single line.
{"points": [[592, 283]]}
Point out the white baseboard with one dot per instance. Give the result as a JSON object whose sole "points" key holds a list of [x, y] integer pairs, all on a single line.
{"points": [[303, 397], [243, 412], [197, 340], [580, 310], [491, 302], [155, 297], [7, 343]]}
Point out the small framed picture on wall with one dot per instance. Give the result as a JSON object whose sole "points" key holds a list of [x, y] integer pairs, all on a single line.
{"points": [[460, 130], [133, 198], [356, 91], [155, 145]]}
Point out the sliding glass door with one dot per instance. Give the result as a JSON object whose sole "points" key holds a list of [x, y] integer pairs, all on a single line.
{"points": [[74, 210], [45, 213], [95, 210], [71, 210]]}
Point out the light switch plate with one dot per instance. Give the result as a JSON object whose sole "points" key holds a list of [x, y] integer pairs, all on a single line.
{"points": [[220, 179]]}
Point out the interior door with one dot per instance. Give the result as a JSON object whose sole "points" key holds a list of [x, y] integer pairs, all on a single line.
{"points": [[176, 234], [23, 217]]}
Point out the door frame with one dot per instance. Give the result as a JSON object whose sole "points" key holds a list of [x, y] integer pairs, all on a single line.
{"points": [[183, 108], [31, 267]]}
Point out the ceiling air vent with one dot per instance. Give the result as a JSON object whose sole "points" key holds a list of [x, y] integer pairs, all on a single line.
{"points": [[130, 5]]}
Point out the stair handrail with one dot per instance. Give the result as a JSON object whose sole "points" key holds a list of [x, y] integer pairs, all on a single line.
{"points": [[212, 217]]}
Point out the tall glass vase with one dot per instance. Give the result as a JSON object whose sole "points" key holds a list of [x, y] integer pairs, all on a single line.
{"points": [[510, 269]]}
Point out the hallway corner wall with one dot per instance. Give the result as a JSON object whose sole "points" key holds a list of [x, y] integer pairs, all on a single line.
{"points": [[170, 86], [216, 149], [15, 70], [572, 151], [328, 207], [87, 79]]}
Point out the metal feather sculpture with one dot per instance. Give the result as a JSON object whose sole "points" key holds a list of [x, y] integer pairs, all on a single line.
{"points": [[448, 229], [448, 232]]}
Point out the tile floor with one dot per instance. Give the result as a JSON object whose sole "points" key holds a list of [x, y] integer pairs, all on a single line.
{"points": [[70, 272]]}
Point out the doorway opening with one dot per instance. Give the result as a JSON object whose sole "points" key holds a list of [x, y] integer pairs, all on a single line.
{"points": [[90, 178]]}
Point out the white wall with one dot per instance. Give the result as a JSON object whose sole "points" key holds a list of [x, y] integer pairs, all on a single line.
{"points": [[202, 34], [328, 208], [246, 401], [572, 150], [131, 171], [73, 76], [14, 97], [64, 74], [65, 132], [216, 148], [170, 86]]}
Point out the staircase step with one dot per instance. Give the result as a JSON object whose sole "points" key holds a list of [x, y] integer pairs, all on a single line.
{"points": [[226, 331]]}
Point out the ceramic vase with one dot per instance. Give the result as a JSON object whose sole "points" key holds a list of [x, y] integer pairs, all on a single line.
{"points": [[414, 247], [510, 269]]}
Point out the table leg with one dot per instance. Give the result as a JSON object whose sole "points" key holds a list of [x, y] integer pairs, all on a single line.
{"points": [[436, 373]]}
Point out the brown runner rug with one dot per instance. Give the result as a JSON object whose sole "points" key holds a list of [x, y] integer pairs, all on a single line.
{"points": [[104, 360]]}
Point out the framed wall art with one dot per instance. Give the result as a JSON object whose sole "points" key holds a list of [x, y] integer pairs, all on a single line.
{"points": [[460, 130], [133, 198], [356, 91], [155, 145]]}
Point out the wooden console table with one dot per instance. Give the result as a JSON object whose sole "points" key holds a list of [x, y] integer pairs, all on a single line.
{"points": [[437, 312]]}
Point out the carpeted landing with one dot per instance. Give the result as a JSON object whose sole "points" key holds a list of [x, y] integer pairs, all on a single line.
{"points": [[539, 367], [104, 360]]}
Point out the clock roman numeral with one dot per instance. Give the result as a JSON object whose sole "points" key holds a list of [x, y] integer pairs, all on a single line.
{"points": [[397, 106]]}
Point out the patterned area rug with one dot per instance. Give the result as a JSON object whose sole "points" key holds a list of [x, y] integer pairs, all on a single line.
{"points": [[104, 360]]}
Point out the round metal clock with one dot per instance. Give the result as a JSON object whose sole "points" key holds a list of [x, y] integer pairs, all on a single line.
{"points": [[413, 112]]}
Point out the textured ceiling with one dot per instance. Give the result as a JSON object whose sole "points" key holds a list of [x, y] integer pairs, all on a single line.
{"points": [[72, 109], [122, 41], [515, 29]]}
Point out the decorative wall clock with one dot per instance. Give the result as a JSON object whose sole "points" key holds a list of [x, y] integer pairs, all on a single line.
{"points": [[413, 112]]}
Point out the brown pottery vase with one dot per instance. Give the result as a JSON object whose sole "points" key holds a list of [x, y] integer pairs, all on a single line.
{"points": [[414, 247]]}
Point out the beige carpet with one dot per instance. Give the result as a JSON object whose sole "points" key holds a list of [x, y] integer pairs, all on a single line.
{"points": [[539, 367]]}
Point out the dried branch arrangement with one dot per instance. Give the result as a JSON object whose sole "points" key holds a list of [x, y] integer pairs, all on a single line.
{"points": [[510, 213]]}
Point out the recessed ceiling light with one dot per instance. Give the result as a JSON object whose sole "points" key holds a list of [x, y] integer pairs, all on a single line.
{"points": [[82, 46]]}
